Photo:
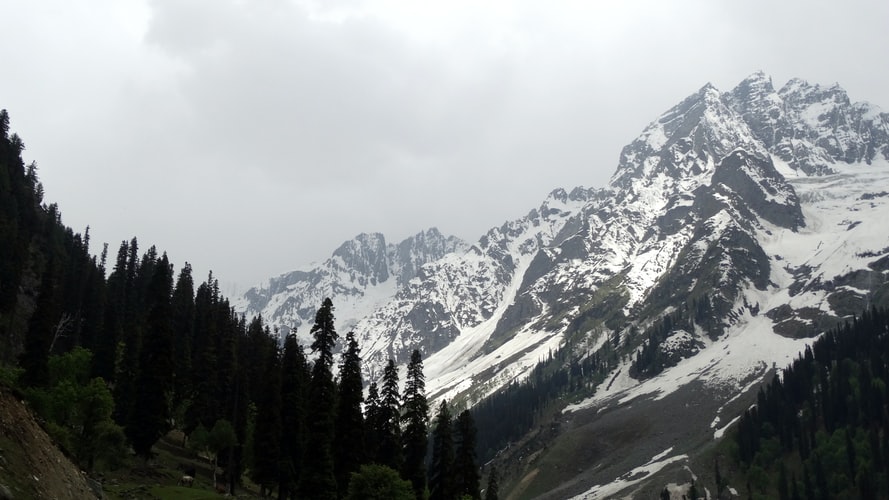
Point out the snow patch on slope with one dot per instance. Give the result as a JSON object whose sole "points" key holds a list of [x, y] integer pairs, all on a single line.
{"points": [[632, 477], [453, 369], [745, 352]]}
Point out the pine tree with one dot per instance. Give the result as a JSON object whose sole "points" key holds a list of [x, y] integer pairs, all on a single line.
{"points": [[227, 382], [204, 409], [373, 423], [441, 470], [294, 384], [105, 358], [416, 419], [466, 478], [240, 410], [258, 344], [20, 218], [324, 334], [268, 431], [149, 417], [183, 330], [349, 436], [390, 453], [492, 492], [319, 480], [93, 317], [135, 282]]}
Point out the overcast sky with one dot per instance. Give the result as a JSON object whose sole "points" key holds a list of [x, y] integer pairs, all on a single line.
{"points": [[253, 137]]}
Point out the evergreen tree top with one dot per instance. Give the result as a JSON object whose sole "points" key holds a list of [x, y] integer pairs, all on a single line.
{"points": [[324, 333]]}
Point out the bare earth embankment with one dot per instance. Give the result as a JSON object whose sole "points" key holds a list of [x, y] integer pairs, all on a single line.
{"points": [[31, 466]]}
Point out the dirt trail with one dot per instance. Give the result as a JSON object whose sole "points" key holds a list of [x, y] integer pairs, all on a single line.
{"points": [[31, 466]]}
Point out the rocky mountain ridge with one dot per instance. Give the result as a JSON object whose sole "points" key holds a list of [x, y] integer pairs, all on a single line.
{"points": [[361, 274], [695, 209]]}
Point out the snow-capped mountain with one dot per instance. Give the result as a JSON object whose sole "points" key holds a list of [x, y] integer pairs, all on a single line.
{"points": [[715, 199], [361, 275], [725, 196], [755, 217]]}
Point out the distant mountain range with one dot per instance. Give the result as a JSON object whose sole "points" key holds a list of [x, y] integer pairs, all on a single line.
{"points": [[758, 214]]}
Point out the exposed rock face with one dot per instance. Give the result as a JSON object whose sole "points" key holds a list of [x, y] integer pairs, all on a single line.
{"points": [[361, 274], [31, 466], [811, 127]]}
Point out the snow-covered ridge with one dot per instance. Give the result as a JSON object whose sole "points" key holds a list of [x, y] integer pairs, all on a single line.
{"points": [[768, 202], [655, 221], [362, 274]]}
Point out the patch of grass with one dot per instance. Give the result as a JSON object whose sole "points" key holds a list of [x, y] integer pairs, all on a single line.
{"points": [[183, 493], [158, 479], [159, 492]]}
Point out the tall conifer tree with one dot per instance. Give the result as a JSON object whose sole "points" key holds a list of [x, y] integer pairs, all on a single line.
{"points": [[149, 416], [294, 384], [226, 372], [373, 423], [349, 437], [136, 283], [441, 470], [390, 452], [183, 330], [105, 355], [416, 425], [492, 492], [466, 478], [203, 409], [269, 429], [319, 481]]}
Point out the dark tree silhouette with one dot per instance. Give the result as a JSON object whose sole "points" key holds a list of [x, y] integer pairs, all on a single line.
{"points": [[416, 425], [149, 417], [349, 438], [466, 478], [441, 469], [319, 480], [390, 450], [294, 385]]}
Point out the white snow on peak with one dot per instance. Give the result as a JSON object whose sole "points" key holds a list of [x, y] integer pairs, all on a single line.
{"points": [[845, 230]]}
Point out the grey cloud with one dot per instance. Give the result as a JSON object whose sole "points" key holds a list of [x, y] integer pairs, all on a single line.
{"points": [[253, 137]]}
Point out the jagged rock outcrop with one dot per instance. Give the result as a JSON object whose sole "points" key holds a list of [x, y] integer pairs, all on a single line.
{"points": [[361, 275]]}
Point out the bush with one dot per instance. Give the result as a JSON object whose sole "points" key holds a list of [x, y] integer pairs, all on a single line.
{"points": [[378, 482]]}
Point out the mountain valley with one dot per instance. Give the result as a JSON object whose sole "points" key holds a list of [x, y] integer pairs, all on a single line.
{"points": [[736, 228]]}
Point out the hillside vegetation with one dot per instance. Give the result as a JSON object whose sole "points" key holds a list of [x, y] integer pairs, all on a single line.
{"points": [[114, 360]]}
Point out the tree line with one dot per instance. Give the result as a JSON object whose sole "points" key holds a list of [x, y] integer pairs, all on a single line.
{"points": [[115, 358], [571, 371], [821, 429]]}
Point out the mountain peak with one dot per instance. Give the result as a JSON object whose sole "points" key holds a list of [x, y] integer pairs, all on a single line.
{"points": [[366, 254], [708, 88], [687, 140], [757, 84], [409, 255]]}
